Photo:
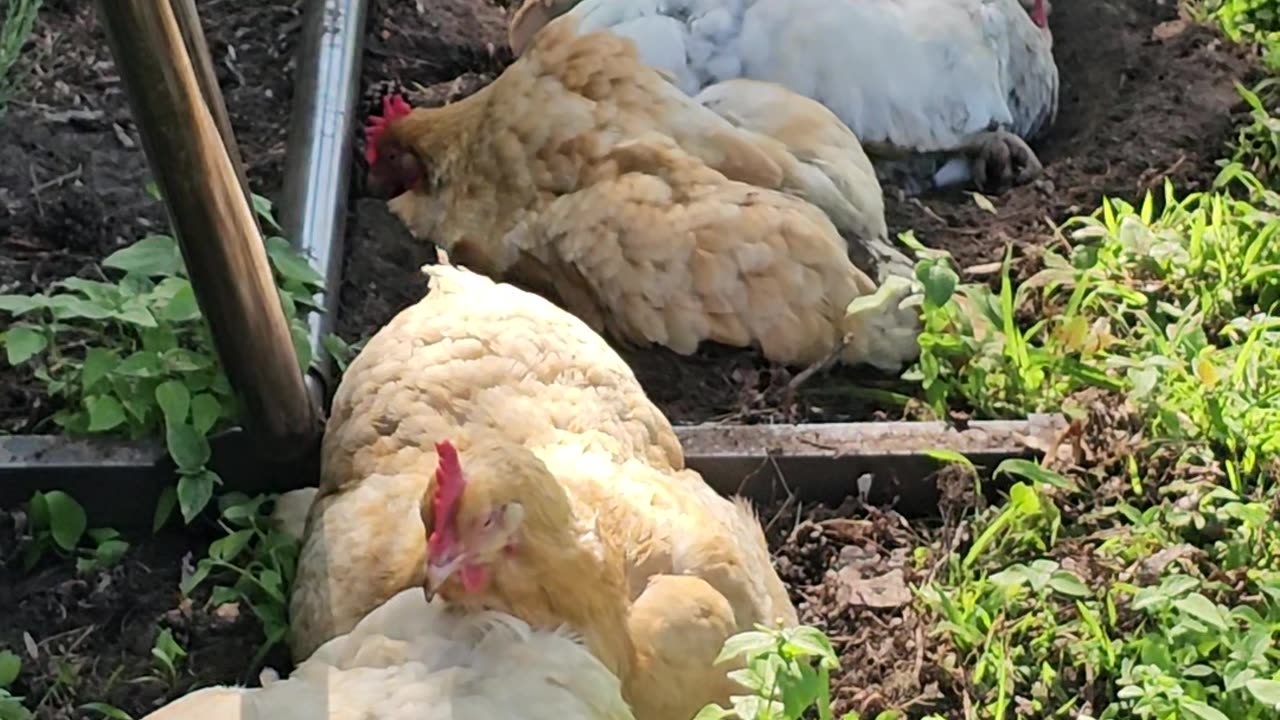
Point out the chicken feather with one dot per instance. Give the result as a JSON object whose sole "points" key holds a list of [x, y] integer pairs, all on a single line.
{"points": [[926, 78], [588, 178], [410, 659], [529, 394]]}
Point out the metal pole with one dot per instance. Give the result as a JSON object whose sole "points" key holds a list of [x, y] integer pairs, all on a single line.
{"points": [[214, 225], [317, 167]]}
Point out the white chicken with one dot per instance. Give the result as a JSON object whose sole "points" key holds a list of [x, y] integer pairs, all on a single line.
{"points": [[411, 659], [940, 92]]}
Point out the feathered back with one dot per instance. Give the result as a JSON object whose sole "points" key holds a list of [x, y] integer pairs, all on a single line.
{"points": [[411, 659]]}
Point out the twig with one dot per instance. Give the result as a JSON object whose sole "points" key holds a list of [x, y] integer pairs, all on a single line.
{"points": [[37, 189]]}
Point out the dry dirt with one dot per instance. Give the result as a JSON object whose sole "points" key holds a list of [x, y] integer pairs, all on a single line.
{"points": [[1134, 110]]}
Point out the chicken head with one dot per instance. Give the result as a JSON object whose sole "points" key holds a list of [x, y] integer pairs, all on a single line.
{"points": [[502, 535], [393, 169], [465, 541]]}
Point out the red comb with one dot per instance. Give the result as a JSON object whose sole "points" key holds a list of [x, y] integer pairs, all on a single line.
{"points": [[1038, 14], [394, 107], [444, 503]]}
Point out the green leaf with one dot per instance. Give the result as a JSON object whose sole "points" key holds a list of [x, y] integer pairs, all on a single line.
{"points": [[142, 364], [135, 312], [262, 208], [205, 411], [188, 448], [291, 264], [108, 711], [164, 508], [1264, 691], [1203, 711], [110, 552], [70, 307], [174, 400], [951, 457], [98, 363], [21, 304], [229, 548], [38, 512], [182, 307], [194, 492], [813, 643], [21, 344], [1033, 472], [746, 643], [1203, 609], [105, 413], [939, 282], [712, 712], [151, 256], [10, 666], [99, 293], [1066, 582], [66, 519]]}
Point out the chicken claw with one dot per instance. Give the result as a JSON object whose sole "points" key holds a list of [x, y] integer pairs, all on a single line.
{"points": [[883, 329], [1003, 160]]}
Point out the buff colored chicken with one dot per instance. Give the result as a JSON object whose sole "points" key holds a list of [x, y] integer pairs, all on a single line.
{"points": [[411, 659], [585, 176], [492, 447], [941, 92]]}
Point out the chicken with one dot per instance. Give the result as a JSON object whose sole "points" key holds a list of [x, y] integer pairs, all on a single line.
{"points": [[941, 92], [840, 178], [490, 446], [411, 659], [585, 176]]}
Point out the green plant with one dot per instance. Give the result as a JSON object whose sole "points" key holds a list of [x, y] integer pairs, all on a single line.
{"points": [[254, 564], [787, 672], [19, 19], [57, 523], [134, 356], [11, 707], [167, 654]]}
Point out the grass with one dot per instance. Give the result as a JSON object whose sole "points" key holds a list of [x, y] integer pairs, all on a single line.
{"points": [[1133, 573], [19, 19]]}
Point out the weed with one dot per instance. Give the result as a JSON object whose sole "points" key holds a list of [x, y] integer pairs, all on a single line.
{"points": [[253, 564], [134, 356], [167, 653], [56, 523], [11, 707], [19, 19]]}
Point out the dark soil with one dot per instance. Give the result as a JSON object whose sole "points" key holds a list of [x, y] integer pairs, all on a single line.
{"points": [[87, 637]]}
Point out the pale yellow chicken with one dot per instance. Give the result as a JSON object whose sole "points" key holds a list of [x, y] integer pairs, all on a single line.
{"points": [[584, 175], [411, 659], [554, 490]]}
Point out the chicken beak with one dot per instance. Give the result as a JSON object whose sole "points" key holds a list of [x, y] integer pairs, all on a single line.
{"points": [[438, 574]]}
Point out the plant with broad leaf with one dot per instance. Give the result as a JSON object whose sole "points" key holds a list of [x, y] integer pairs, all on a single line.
{"points": [[253, 565], [133, 355], [786, 672], [57, 523]]}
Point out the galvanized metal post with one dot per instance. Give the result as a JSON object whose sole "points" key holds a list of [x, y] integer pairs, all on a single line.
{"points": [[214, 224], [317, 168]]}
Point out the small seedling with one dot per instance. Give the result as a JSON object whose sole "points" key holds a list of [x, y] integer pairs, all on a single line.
{"points": [[167, 654], [57, 524]]}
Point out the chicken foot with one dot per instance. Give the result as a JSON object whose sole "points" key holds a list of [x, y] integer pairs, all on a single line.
{"points": [[999, 159]]}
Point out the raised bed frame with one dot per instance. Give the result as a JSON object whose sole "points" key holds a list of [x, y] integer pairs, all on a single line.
{"points": [[119, 482]]}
